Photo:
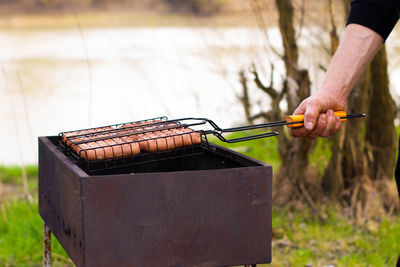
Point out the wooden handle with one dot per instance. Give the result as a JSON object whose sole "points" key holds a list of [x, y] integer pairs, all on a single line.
{"points": [[300, 119]]}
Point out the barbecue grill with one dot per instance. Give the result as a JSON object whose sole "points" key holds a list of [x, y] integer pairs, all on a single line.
{"points": [[131, 195]]}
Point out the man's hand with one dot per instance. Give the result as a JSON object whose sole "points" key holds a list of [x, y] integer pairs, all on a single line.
{"points": [[319, 117], [358, 46]]}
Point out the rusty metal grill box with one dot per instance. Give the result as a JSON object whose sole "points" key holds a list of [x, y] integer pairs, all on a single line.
{"points": [[209, 209]]}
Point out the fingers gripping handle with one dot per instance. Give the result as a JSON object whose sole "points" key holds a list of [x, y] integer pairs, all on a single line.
{"points": [[300, 118]]}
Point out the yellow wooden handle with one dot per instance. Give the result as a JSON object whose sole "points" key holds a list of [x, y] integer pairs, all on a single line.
{"points": [[300, 119]]}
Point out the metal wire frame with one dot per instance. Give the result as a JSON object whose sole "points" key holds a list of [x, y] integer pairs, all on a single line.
{"points": [[163, 118], [134, 131], [142, 133], [162, 123], [111, 134]]}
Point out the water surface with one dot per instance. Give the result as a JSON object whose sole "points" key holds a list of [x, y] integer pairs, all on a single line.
{"points": [[64, 79]]}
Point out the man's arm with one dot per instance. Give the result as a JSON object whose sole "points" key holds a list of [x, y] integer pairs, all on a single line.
{"points": [[369, 24], [357, 48]]}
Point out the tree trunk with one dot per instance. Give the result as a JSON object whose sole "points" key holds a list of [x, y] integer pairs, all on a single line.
{"points": [[293, 151], [354, 163], [332, 180], [288, 34], [380, 130], [245, 97], [346, 174], [367, 151]]}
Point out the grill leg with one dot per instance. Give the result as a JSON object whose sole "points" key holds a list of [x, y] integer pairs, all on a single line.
{"points": [[46, 246]]}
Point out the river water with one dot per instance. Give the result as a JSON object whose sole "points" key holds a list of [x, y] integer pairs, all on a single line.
{"points": [[65, 79]]}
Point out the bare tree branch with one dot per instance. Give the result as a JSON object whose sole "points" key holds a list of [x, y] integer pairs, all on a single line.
{"points": [[333, 32], [265, 115], [256, 6], [245, 97], [301, 23], [267, 89]]}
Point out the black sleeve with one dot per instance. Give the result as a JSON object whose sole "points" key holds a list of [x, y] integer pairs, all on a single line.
{"points": [[379, 15]]}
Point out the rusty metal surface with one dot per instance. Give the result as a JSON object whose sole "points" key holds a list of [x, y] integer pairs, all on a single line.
{"points": [[46, 246], [216, 217], [60, 198]]}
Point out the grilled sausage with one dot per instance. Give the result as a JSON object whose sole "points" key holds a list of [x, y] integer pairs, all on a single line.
{"points": [[108, 149], [154, 142], [186, 137], [125, 142], [68, 135], [168, 139]]}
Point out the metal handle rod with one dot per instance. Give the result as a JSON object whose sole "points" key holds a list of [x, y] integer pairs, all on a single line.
{"points": [[279, 123], [200, 121], [241, 139]]}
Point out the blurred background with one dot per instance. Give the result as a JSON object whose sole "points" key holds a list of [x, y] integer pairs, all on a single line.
{"points": [[73, 64]]}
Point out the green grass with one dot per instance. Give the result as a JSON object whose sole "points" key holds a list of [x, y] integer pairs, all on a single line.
{"points": [[13, 174], [260, 149], [266, 149], [337, 241], [11, 177], [21, 227], [21, 236]]}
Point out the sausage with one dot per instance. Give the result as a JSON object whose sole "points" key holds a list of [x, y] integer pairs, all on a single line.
{"points": [[167, 139], [68, 135], [138, 123], [108, 149], [154, 142], [151, 138], [185, 137]]}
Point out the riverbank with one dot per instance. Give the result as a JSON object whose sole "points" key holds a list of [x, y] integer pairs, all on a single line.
{"points": [[99, 19], [232, 14]]}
